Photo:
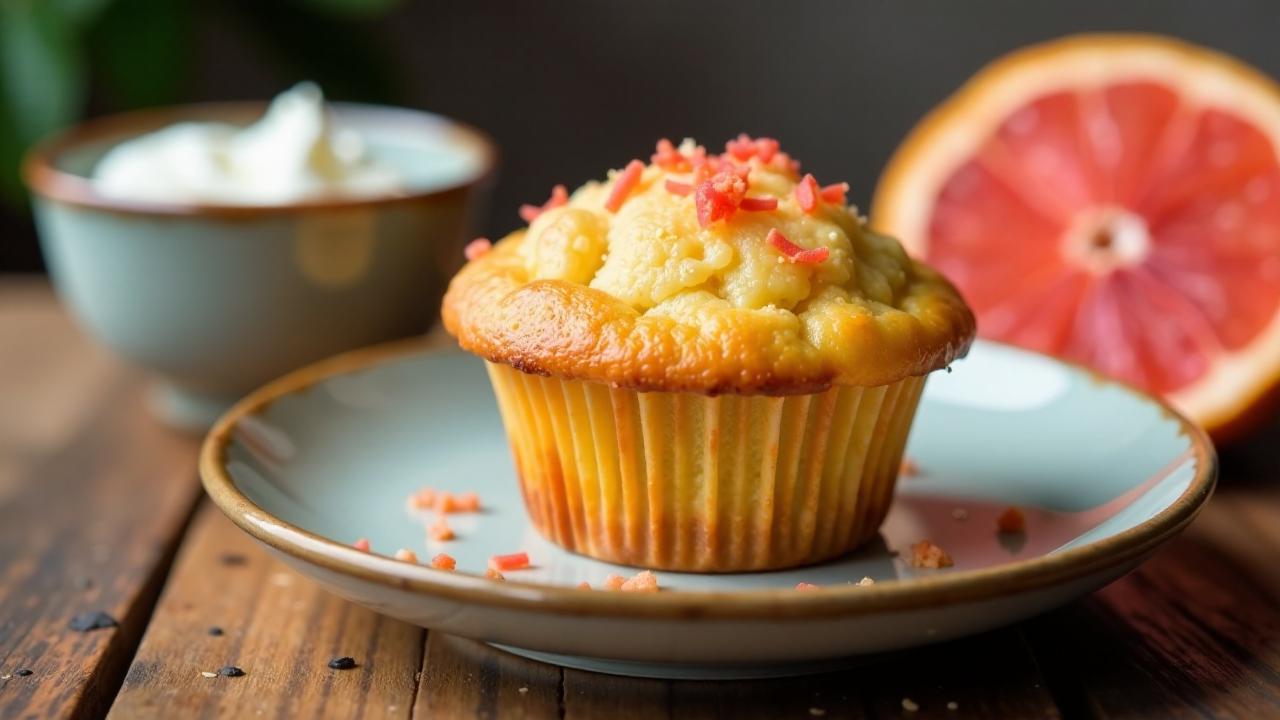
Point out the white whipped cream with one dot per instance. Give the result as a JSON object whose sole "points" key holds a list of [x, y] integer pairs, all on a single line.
{"points": [[292, 153]]}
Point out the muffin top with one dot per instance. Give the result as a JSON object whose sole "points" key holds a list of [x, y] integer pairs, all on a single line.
{"points": [[729, 273]]}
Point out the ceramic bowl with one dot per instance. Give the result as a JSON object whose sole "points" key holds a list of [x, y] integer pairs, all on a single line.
{"points": [[216, 300]]}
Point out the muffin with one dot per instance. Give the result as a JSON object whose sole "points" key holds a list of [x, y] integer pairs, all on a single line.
{"points": [[705, 363]]}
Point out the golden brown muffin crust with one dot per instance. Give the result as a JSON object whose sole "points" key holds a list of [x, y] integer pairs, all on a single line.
{"points": [[650, 298]]}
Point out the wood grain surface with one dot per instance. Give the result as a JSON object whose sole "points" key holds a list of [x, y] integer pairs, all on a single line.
{"points": [[94, 504], [278, 627], [96, 514]]}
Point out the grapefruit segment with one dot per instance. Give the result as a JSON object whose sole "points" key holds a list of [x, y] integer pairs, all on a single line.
{"points": [[1114, 200]]}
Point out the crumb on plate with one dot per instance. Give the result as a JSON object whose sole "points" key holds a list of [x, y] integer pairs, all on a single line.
{"points": [[643, 581], [423, 499], [1012, 521], [909, 468], [444, 561], [441, 532], [926, 554], [468, 502]]}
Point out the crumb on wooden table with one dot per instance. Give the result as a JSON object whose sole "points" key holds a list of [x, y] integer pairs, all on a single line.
{"points": [[86, 622], [342, 663], [926, 554]]}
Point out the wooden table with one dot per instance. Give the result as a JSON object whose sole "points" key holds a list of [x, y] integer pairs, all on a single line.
{"points": [[101, 511]]}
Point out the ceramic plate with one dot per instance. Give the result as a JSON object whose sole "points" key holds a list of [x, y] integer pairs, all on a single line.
{"points": [[329, 454]]}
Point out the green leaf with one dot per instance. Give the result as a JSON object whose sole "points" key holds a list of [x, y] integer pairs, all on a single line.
{"points": [[42, 81], [140, 51], [349, 8]]}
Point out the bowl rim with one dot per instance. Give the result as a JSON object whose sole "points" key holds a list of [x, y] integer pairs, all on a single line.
{"points": [[938, 591], [45, 179]]}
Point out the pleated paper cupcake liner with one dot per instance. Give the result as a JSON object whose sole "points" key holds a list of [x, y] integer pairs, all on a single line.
{"points": [[683, 481]]}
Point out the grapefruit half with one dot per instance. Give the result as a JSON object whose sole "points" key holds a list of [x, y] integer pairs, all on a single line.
{"points": [[1112, 200]]}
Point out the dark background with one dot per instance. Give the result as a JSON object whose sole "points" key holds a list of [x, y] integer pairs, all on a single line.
{"points": [[569, 89]]}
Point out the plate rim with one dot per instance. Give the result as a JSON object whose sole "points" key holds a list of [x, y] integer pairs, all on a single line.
{"points": [[936, 591]]}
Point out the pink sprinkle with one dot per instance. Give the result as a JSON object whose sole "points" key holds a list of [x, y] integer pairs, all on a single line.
{"points": [[766, 149], [807, 586], [807, 193], [675, 187], [362, 545], [443, 562], [626, 182], [559, 197], [782, 161], [719, 196], [812, 257], [835, 194], [514, 561], [477, 248], [743, 148], [794, 253], [760, 204], [668, 157]]}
